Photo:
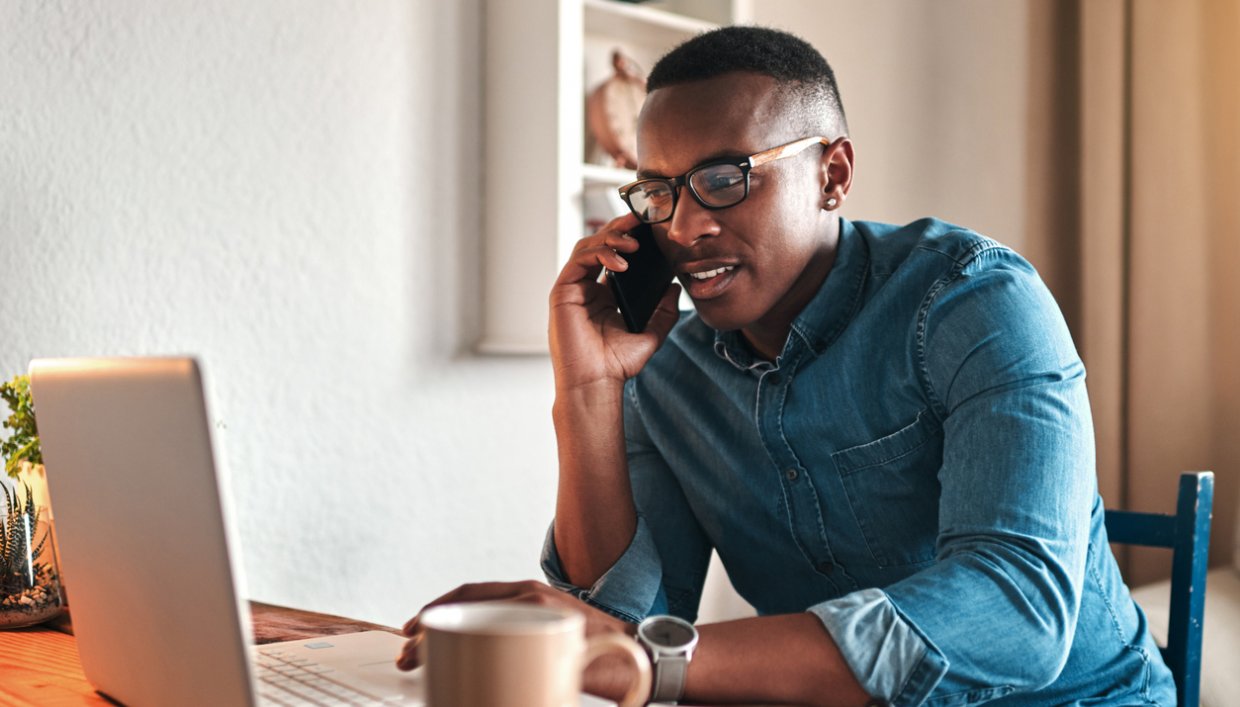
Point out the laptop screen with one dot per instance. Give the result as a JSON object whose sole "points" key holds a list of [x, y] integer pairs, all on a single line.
{"points": [[142, 531]]}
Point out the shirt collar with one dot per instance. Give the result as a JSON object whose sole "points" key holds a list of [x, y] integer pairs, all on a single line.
{"points": [[826, 315]]}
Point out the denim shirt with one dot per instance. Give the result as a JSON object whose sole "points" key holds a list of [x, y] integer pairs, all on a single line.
{"points": [[916, 469]]}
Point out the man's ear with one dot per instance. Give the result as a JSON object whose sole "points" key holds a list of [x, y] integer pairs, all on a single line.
{"points": [[835, 173]]}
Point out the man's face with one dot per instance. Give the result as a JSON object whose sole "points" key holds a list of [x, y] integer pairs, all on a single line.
{"points": [[757, 263]]}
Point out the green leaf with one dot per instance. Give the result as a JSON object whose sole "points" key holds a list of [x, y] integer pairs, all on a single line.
{"points": [[23, 443]]}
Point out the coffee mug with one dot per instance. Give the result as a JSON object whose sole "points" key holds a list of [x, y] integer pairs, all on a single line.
{"points": [[509, 654]]}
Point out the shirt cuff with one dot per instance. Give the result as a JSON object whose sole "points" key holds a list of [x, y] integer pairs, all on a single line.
{"points": [[631, 589], [888, 656]]}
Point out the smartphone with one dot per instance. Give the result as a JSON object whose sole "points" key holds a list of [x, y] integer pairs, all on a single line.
{"points": [[639, 288]]}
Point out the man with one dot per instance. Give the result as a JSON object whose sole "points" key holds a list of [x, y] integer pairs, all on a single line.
{"points": [[883, 431]]}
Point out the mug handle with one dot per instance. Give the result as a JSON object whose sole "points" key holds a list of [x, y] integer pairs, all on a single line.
{"points": [[639, 691]]}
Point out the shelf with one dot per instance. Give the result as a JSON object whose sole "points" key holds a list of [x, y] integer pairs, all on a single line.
{"points": [[601, 174], [541, 59], [638, 22]]}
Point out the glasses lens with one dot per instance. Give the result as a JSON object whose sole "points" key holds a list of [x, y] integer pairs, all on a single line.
{"points": [[719, 184], [651, 200]]}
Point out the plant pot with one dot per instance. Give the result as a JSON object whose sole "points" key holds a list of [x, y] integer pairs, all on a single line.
{"points": [[30, 589]]}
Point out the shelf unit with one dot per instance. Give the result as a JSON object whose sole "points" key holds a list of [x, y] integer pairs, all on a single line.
{"points": [[602, 174], [542, 56]]}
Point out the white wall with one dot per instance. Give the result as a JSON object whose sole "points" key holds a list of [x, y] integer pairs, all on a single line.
{"points": [[289, 191]]}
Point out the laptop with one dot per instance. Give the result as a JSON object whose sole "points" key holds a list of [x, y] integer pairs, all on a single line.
{"points": [[145, 536]]}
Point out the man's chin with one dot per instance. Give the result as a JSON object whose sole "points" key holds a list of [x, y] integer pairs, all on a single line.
{"points": [[719, 317]]}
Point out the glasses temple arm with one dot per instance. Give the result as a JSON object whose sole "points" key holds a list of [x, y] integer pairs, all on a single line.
{"points": [[788, 150]]}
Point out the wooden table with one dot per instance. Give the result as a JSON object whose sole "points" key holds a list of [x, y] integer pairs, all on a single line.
{"points": [[39, 666]]}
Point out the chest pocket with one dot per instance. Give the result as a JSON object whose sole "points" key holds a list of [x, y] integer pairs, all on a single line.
{"points": [[893, 490]]}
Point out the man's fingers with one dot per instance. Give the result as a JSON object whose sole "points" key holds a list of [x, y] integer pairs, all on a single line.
{"points": [[412, 626], [616, 240], [580, 294], [602, 249], [408, 658], [586, 262], [604, 255], [484, 591], [531, 591], [621, 224]]}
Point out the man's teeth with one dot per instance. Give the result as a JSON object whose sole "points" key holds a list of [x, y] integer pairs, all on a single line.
{"points": [[710, 273]]}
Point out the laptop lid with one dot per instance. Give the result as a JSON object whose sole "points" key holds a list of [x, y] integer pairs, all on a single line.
{"points": [[142, 532]]}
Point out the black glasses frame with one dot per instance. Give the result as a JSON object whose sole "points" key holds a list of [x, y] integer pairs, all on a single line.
{"points": [[746, 165]]}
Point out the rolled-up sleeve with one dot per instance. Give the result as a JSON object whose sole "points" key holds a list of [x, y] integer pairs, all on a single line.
{"points": [[885, 651], [996, 612], [630, 589]]}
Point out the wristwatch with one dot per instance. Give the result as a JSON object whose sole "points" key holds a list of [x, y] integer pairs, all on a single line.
{"points": [[670, 642]]}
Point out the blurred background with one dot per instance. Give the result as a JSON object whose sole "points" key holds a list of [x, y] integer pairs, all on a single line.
{"points": [[308, 198]]}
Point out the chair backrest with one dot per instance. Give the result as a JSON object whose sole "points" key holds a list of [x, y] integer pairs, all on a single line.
{"points": [[1187, 534]]}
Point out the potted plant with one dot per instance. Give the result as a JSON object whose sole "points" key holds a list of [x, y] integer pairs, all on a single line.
{"points": [[30, 590]]}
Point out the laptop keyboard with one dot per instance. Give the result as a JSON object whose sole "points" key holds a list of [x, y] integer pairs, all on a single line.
{"points": [[286, 680]]}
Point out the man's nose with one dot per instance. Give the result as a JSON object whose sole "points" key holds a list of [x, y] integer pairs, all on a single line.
{"points": [[690, 221]]}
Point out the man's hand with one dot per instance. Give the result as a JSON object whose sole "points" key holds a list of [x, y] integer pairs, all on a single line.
{"points": [[784, 659], [589, 342], [609, 676], [593, 354]]}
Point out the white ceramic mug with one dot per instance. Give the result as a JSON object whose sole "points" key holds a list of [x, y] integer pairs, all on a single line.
{"points": [[509, 654]]}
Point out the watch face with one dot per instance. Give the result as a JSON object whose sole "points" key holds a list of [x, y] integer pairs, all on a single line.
{"points": [[669, 634]]}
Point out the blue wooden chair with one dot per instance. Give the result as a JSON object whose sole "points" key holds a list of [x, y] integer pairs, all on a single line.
{"points": [[1187, 533]]}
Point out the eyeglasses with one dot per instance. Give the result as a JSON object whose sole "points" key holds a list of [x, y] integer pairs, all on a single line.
{"points": [[716, 185]]}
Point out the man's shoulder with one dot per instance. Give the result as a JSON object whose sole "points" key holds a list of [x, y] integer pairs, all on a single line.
{"points": [[890, 246]]}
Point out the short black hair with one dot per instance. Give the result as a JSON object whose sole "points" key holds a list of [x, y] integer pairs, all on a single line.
{"points": [[795, 65]]}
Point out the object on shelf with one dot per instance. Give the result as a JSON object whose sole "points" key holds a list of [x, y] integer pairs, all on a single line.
{"points": [[601, 203], [612, 108]]}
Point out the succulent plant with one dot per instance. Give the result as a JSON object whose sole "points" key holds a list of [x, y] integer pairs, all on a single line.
{"points": [[19, 552]]}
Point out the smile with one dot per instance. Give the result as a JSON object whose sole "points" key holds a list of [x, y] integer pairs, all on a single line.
{"points": [[707, 284], [708, 274]]}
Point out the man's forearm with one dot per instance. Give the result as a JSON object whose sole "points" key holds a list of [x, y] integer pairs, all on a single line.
{"points": [[772, 659], [594, 516], [785, 659]]}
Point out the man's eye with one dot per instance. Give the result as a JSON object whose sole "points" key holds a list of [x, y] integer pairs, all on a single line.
{"points": [[718, 181]]}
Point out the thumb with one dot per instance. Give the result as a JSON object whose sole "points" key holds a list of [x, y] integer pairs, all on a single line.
{"points": [[666, 314]]}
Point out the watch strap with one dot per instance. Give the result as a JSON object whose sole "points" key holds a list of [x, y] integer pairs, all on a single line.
{"points": [[669, 678]]}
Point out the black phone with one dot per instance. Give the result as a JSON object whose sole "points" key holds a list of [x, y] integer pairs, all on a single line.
{"points": [[639, 288]]}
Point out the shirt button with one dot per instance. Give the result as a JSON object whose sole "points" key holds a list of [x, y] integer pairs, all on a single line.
{"points": [[774, 379], [824, 567], [791, 474]]}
